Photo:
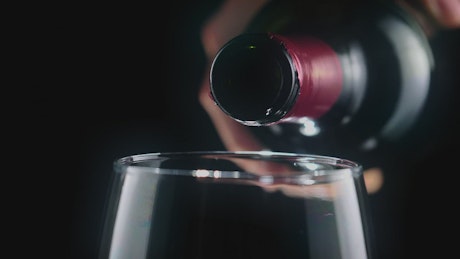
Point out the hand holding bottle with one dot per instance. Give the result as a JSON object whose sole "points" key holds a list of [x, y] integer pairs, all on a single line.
{"points": [[235, 15]]}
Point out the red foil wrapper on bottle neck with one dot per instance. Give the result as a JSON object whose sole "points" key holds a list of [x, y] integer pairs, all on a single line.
{"points": [[319, 75]]}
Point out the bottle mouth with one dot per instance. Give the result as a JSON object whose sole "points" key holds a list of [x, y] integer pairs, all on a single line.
{"points": [[253, 79]]}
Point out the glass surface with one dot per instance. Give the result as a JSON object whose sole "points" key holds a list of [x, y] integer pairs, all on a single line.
{"points": [[236, 205]]}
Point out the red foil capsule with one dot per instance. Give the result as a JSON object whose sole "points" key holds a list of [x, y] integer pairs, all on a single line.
{"points": [[319, 76]]}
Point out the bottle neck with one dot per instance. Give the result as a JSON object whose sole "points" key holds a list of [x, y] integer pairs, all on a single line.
{"points": [[262, 79]]}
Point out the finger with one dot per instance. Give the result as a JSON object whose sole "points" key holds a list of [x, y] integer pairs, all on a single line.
{"points": [[373, 178], [230, 20], [446, 13]]}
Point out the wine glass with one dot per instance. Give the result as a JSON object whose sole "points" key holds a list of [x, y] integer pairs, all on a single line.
{"points": [[222, 204]]}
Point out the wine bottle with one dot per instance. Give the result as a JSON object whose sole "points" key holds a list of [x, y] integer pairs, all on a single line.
{"points": [[340, 82]]}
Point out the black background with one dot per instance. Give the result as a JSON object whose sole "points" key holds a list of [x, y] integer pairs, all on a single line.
{"points": [[108, 80]]}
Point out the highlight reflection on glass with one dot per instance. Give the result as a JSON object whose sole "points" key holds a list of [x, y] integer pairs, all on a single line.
{"points": [[236, 205]]}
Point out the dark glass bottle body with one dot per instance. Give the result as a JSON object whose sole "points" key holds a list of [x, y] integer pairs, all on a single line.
{"points": [[326, 84]]}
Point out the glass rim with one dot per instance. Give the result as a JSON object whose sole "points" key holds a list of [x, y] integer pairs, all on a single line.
{"points": [[340, 165]]}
